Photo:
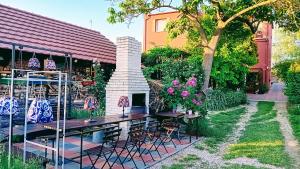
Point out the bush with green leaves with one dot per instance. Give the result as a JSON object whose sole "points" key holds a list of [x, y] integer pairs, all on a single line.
{"points": [[221, 100], [98, 90], [184, 94], [167, 64], [292, 90], [281, 69], [18, 162]]}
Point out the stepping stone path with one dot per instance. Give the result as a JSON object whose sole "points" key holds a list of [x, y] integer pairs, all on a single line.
{"points": [[215, 160]]}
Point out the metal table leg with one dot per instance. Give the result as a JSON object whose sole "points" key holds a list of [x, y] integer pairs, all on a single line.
{"points": [[81, 143]]}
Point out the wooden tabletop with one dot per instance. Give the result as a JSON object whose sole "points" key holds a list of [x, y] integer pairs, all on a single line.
{"points": [[170, 114], [178, 115], [81, 123], [40, 129]]}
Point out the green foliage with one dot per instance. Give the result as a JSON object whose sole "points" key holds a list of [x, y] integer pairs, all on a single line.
{"points": [[154, 60], [281, 69], [18, 162], [262, 139], [98, 90], [167, 64], [292, 89], [201, 20], [285, 47], [220, 100], [186, 94], [200, 127], [185, 162], [263, 88], [79, 114], [236, 52], [294, 118], [220, 126]]}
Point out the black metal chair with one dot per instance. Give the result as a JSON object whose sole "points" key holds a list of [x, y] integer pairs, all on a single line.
{"points": [[164, 133], [133, 144], [107, 148]]}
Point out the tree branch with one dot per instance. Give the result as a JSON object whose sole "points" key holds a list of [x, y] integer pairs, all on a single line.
{"points": [[247, 10], [248, 23]]}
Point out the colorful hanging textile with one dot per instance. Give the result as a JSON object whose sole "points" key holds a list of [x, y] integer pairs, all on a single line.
{"points": [[34, 63], [5, 106], [50, 64], [90, 103], [40, 111]]}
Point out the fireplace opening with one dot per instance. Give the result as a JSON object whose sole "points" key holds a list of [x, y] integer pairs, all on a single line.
{"points": [[138, 103], [139, 99]]}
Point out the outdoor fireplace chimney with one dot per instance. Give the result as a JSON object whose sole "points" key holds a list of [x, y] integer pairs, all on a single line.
{"points": [[128, 78]]}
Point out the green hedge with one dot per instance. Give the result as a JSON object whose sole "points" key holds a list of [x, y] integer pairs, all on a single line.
{"points": [[220, 100], [292, 90]]}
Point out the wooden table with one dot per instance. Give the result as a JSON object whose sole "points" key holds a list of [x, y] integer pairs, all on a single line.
{"points": [[81, 124], [37, 130]]}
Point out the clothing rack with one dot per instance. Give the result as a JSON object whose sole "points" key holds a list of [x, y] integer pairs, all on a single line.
{"points": [[13, 60]]}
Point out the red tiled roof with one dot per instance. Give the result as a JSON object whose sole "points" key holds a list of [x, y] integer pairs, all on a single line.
{"points": [[26, 28]]}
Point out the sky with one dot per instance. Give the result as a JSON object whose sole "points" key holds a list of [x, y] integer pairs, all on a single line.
{"points": [[81, 13]]}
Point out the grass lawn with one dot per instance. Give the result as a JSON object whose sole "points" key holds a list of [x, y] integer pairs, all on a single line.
{"points": [[183, 163], [18, 163], [262, 139], [220, 126], [294, 118]]}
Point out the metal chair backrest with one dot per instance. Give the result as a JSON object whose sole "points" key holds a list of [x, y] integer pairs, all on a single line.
{"points": [[111, 134], [136, 131], [169, 123], [153, 126]]}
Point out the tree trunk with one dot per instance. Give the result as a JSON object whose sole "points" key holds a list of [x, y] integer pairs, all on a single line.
{"points": [[208, 56]]}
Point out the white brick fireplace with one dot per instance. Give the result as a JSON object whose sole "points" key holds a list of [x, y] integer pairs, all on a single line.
{"points": [[128, 78]]}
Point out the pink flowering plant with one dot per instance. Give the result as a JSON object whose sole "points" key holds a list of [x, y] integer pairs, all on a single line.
{"points": [[185, 94]]}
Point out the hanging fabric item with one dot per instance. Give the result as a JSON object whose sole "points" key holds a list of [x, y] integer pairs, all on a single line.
{"points": [[5, 106], [50, 64], [90, 103], [40, 111], [33, 62]]}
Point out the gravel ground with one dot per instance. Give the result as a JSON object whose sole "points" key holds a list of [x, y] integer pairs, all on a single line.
{"points": [[215, 161], [291, 143]]}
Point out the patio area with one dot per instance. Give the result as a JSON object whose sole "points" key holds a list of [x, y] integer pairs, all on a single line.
{"points": [[145, 143]]}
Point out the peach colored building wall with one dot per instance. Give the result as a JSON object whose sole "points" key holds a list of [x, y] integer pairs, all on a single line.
{"points": [[156, 39]]}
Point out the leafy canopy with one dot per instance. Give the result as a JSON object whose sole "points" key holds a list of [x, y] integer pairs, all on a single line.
{"points": [[204, 15]]}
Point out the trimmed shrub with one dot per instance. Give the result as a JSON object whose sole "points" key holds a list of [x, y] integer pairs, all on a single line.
{"points": [[220, 100], [263, 88], [292, 89], [281, 69]]}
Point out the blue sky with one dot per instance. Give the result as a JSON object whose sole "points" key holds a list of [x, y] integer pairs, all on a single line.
{"points": [[80, 12]]}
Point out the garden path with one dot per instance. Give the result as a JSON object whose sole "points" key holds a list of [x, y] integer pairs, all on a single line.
{"points": [[275, 94], [240, 127], [291, 144], [215, 160]]}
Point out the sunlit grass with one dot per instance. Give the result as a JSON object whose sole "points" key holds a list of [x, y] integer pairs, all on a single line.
{"points": [[294, 118], [221, 125], [262, 139], [183, 163]]}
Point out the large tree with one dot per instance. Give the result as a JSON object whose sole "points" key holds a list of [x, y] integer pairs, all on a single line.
{"points": [[210, 17]]}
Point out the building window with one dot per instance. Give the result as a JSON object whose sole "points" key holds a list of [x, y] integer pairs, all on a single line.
{"points": [[160, 25]]}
